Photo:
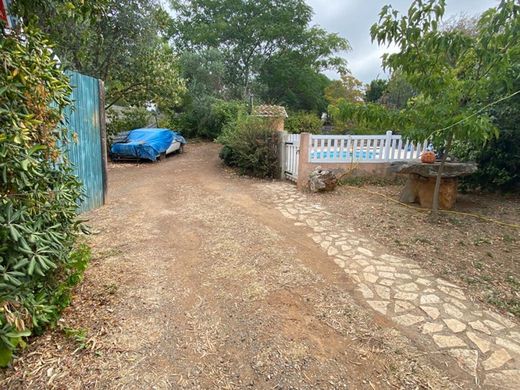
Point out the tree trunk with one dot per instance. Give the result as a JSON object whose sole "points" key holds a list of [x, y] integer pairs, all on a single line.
{"points": [[435, 203]]}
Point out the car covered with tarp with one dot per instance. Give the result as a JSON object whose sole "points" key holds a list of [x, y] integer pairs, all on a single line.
{"points": [[147, 144]]}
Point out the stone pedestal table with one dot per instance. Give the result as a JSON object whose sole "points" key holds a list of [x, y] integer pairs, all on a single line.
{"points": [[420, 185]]}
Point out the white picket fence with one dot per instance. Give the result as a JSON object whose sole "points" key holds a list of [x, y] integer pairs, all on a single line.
{"points": [[292, 147], [362, 148]]}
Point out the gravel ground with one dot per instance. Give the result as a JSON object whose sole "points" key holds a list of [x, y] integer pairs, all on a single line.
{"points": [[197, 282]]}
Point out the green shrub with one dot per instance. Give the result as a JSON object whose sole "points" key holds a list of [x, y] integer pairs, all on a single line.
{"points": [[207, 117], [250, 144], [498, 160], [303, 122], [38, 192], [128, 119]]}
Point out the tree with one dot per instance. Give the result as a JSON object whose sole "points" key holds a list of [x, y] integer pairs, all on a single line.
{"points": [[456, 75], [347, 87], [250, 33], [289, 81], [375, 90], [30, 10], [125, 45], [398, 92]]}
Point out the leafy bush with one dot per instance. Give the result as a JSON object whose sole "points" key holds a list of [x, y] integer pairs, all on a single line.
{"points": [[303, 122], [207, 117], [38, 192], [498, 160], [251, 145], [128, 119]]}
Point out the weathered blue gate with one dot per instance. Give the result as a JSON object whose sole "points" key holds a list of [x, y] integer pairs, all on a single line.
{"points": [[85, 118]]}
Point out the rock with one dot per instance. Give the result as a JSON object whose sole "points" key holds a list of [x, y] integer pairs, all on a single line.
{"points": [[451, 170], [467, 359], [421, 182], [420, 189], [496, 360], [448, 341], [322, 180]]}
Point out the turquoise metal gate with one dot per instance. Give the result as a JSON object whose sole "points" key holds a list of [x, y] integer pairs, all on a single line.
{"points": [[85, 118]]}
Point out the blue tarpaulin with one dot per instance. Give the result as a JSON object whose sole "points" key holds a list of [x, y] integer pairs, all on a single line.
{"points": [[146, 143]]}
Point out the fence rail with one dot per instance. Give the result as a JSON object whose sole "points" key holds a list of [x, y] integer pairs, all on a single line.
{"points": [[363, 148]]}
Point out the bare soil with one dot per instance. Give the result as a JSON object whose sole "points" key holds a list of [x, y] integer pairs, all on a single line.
{"points": [[477, 254], [197, 282]]}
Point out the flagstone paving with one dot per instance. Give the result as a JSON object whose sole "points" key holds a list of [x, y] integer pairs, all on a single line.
{"points": [[484, 344]]}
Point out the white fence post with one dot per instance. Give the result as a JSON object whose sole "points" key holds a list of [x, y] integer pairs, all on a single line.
{"points": [[388, 143]]}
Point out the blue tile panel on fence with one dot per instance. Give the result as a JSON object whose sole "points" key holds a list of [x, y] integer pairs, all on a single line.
{"points": [[83, 118]]}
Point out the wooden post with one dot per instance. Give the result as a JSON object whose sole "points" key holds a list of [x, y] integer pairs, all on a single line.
{"points": [[103, 131], [303, 160]]}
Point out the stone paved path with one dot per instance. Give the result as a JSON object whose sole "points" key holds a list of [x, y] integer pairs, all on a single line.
{"points": [[483, 343]]}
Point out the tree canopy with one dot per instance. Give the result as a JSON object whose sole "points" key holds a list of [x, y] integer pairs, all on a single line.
{"points": [[375, 90], [125, 45], [254, 35], [347, 87]]}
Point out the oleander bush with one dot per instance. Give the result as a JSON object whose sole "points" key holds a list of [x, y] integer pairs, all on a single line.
{"points": [[39, 258]]}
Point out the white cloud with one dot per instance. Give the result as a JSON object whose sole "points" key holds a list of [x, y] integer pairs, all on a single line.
{"points": [[352, 20]]}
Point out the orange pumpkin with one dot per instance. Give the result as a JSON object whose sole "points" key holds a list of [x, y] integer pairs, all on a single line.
{"points": [[428, 157]]}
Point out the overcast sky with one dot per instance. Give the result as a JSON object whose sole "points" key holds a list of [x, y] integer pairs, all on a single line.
{"points": [[352, 20]]}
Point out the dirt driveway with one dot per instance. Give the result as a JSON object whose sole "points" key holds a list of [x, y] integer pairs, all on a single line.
{"points": [[199, 282]]}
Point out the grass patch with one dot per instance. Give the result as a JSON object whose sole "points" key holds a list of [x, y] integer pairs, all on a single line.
{"points": [[512, 305], [79, 335]]}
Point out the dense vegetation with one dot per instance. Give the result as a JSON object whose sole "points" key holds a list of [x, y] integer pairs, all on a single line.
{"points": [[39, 258], [266, 49], [251, 145]]}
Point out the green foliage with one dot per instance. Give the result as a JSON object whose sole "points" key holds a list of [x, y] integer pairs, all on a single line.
{"points": [[208, 117], [251, 34], [128, 119], [251, 145], [348, 88], [77, 335], [375, 90], [454, 72], [397, 92], [125, 45], [38, 192], [204, 73], [301, 90], [303, 122], [29, 10], [231, 49], [499, 159]]}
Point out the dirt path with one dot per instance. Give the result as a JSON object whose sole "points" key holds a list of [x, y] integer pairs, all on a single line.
{"points": [[199, 281]]}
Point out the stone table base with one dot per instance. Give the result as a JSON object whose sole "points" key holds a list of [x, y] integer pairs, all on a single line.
{"points": [[420, 189]]}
